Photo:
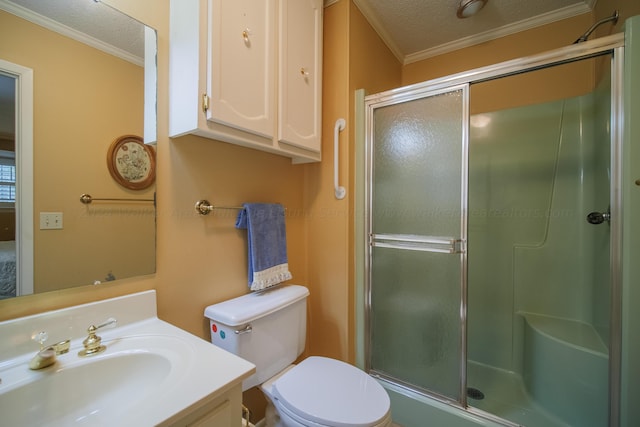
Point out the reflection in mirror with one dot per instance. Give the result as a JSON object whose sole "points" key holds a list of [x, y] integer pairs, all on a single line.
{"points": [[92, 71]]}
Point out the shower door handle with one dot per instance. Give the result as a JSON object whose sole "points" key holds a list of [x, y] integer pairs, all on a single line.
{"points": [[447, 245]]}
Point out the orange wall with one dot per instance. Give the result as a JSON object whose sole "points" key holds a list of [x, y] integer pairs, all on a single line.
{"points": [[372, 66], [327, 227], [604, 9]]}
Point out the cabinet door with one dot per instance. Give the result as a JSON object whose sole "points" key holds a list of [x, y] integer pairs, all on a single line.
{"points": [[300, 69], [241, 64], [218, 417]]}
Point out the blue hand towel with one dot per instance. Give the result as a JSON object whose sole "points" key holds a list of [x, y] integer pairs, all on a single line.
{"points": [[266, 235]]}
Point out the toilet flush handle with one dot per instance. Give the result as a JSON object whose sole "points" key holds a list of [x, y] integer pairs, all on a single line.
{"points": [[244, 330]]}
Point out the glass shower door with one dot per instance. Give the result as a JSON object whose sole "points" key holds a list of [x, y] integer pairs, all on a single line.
{"points": [[417, 161]]}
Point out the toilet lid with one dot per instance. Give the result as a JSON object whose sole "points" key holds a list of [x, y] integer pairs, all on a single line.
{"points": [[332, 393]]}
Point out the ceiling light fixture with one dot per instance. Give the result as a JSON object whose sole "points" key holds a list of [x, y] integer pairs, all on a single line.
{"points": [[469, 8]]}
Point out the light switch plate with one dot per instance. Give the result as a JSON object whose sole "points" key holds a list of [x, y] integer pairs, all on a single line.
{"points": [[50, 220]]}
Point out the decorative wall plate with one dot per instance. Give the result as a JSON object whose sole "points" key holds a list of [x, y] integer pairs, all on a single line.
{"points": [[132, 163]]}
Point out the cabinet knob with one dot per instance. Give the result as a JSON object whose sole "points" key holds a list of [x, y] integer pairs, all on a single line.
{"points": [[245, 35], [304, 72]]}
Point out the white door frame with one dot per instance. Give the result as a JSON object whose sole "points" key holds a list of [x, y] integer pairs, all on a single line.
{"points": [[24, 174]]}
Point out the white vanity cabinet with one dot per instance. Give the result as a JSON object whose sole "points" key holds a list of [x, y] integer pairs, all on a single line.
{"points": [[222, 411], [248, 72]]}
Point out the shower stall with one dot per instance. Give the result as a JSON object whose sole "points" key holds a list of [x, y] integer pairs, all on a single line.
{"points": [[492, 236]]}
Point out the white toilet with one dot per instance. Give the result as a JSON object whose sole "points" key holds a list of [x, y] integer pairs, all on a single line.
{"points": [[269, 330]]}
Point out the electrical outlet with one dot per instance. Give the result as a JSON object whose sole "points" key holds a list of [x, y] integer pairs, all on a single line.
{"points": [[50, 220]]}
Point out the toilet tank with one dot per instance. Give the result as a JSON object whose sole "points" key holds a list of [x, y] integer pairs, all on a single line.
{"points": [[267, 328]]}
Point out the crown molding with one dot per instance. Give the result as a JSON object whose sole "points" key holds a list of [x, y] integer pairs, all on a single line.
{"points": [[379, 29], [516, 27], [505, 30], [50, 24]]}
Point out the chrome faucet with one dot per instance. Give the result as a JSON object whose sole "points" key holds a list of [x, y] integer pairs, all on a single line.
{"points": [[47, 355], [92, 342]]}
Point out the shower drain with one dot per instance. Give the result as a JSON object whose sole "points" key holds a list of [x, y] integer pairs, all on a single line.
{"points": [[474, 393]]}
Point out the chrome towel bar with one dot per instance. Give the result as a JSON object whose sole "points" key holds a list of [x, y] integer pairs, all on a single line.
{"points": [[87, 199], [203, 207]]}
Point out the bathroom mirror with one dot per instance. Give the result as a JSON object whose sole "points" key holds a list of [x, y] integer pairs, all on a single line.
{"points": [[93, 82]]}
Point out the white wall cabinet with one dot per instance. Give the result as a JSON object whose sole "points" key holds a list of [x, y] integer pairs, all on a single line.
{"points": [[248, 72]]}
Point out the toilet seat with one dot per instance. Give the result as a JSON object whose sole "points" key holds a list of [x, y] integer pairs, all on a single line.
{"points": [[328, 392]]}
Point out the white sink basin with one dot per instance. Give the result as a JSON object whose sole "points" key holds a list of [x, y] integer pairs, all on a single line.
{"points": [[80, 394], [96, 388], [150, 374]]}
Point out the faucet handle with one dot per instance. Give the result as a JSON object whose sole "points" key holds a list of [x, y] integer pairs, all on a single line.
{"points": [[60, 348], [40, 337], [109, 323]]}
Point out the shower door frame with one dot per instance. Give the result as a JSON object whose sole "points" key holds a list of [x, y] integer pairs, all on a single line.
{"points": [[449, 245], [613, 45]]}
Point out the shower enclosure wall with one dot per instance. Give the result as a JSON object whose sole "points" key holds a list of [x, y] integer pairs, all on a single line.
{"points": [[539, 274], [491, 279]]}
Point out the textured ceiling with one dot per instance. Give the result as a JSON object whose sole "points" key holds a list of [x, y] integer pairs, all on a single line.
{"points": [[417, 29]]}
